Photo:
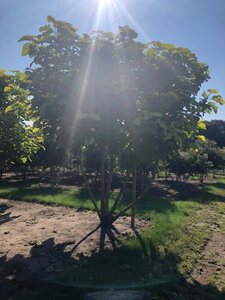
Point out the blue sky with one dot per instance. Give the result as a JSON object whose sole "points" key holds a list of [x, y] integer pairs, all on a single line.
{"points": [[196, 24]]}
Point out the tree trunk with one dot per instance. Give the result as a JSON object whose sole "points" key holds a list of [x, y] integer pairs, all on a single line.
{"points": [[102, 183], [134, 197], [24, 173]]}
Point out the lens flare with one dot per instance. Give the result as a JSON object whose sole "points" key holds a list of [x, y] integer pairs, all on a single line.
{"points": [[103, 3]]}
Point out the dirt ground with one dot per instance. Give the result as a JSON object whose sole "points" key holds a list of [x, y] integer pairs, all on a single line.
{"points": [[211, 269], [36, 240]]}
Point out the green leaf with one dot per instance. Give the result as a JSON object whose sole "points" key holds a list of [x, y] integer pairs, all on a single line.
{"points": [[35, 130], [155, 114], [201, 138], [40, 139], [51, 19], [213, 106], [26, 38], [45, 28], [7, 89], [25, 49], [22, 76], [9, 108], [213, 91], [137, 121], [24, 160], [218, 99], [201, 125], [81, 115], [94, 116]]}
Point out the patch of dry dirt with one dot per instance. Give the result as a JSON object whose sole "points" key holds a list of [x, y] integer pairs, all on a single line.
{"points": [[211, 269], [35, 239]]}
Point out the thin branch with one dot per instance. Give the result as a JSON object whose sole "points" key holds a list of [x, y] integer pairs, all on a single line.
{"points": [[134, 197], [119, 194], [84, 238], [102, 239], [141, 196], [130, 205], [123, 211], [112, 238], [90, 192], [102, 180], [115, 229], [109, 184]]}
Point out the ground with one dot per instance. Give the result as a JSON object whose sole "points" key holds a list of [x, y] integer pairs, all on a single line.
{"points": [[181, 247], [211, 263], [34, 237]]}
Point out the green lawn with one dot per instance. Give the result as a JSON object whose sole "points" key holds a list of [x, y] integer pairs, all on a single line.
{"points": [[163, 255]]}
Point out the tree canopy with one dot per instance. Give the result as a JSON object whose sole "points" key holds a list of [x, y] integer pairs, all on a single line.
{"points": [[215, 130], [19, 135]]}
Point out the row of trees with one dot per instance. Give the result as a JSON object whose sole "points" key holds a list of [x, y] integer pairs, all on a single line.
{"points": [[197, 161], [127, 104]]}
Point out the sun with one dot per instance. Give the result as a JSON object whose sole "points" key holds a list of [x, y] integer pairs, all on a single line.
{"points": [[105, 2]]}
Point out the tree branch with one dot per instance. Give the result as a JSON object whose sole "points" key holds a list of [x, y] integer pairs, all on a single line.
{"points": [[145, 191], [119, 195], [90, 192], [109, 184], [123, 211], [84, 238]]}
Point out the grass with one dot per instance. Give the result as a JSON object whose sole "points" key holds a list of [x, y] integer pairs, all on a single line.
{"points": [[165, 253], [47, 195]]}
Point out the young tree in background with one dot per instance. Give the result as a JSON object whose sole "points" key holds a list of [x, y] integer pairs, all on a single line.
{"points": [[19, 135]]}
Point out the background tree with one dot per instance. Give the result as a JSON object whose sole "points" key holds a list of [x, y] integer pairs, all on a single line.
{"points": [[215, 130], [19, 135]]}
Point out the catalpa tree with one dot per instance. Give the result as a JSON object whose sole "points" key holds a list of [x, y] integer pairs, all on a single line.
{"points": [[129, 101], [19, 134]]}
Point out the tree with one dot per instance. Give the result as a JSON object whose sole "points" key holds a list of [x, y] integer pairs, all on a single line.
{"points": [[199, 159], [131, 102], [19, 135], [215, 130]]}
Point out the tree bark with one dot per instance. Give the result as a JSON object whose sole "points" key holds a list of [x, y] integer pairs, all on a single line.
{"points": [[134, 198], [90, 192], [102, 182], [116, 202], [109, 184]]}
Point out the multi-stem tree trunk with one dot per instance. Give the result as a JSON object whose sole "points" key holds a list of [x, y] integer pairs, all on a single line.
{"points": [[107, 216]]}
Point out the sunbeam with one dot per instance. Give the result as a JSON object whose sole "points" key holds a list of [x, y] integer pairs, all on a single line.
{"points": [[124, 14], [112, 8], [105, 2]]}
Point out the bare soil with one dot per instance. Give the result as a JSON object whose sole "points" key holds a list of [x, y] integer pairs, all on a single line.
{"points": [[36, 240], [211, 269]]}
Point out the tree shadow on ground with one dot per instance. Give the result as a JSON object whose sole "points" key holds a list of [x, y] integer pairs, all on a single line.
{"points": [[49, 272], [142, 268], [66, 179], [19, 191], [3, 208], [210, 194], [31, 272], [219, 185], [5, 217], [178, 190], [194, 191]]}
